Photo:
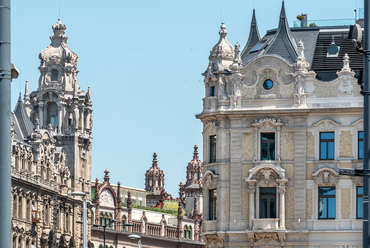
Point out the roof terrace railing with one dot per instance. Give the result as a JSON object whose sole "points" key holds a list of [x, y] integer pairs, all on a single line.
{"points": [[329, 22]]}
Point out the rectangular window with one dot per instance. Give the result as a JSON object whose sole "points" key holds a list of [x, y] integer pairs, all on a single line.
{"points": [[360, 145], [326, 202], [212, 148], [212, 91], [327, 146], [359, 211], [212, 204], [267, 202], [267, 146]]}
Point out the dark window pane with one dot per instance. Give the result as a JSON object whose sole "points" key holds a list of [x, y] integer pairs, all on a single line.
{"points": [[212, 148], [267, 146], [330, 150], [264, 152], [323, 150], [322, 208], [331, 207], [359, 202], [267, 202], [327, 202]]}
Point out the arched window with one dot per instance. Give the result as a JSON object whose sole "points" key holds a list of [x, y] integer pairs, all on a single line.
{"points": [[110, 218], [186, 232], [28, 210], [196, 175], [101, 246], [52, 114], [190, 233], [102, 220], [20, 242]]}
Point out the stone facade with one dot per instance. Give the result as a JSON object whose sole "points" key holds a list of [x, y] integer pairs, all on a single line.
{"points": [[281, 136]]}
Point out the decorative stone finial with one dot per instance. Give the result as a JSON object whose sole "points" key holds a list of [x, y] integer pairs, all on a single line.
{"points": [[26, 97], [195, 152], [346, 63], [223, 31], [106, 177], [155, 161]]}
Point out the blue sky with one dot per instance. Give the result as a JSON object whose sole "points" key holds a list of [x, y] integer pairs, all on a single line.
{"points": [[143, 61]]}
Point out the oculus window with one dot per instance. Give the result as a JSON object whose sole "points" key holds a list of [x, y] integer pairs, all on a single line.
{"points": [[268, 84], [267, 146], [327, 146], [326, 202], [267, 202]]}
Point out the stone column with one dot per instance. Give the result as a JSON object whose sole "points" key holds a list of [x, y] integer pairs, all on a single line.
{"points": [[41, 113], [257, 144], [278, 144], [252, 192], [282, 205], [59, 118]]}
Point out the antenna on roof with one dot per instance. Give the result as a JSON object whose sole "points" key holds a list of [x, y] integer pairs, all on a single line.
{"points": [[221, 16], [59, 13]]}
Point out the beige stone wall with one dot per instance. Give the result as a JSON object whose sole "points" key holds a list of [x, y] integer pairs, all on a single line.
{"points": [[247, 146], [288, 146], [289, 204], [322, 90], [289, 171], [310, 145], [345, 203], [345, 144], [309, 203], [309, 170]]}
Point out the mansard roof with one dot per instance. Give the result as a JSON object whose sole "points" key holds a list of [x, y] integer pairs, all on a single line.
{"points": [[23, 126]]}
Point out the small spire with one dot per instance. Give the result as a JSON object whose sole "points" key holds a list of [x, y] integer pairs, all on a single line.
{"points": [[129, 200], [19, 98], [106, 177], [195, 152], [155, 162], [26, 96], [223, 31]]}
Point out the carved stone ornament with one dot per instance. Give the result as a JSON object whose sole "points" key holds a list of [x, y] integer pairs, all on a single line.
{"points": [[326, 176], [210, 179], [213, 240], [106, 198], [266, 175], [326, 125], [267, 124], [266, 237]]}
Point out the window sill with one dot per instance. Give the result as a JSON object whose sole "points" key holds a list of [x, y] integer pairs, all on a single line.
{"points": [[266, 224]]}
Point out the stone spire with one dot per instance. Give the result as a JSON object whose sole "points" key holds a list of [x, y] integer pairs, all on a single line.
{"points": [[194, 170], [254, 35], [26, 96], [155, 161], [301, 63]]}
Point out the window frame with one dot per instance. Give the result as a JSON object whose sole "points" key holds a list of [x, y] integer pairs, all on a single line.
{"points": [[212, 148], [268, 142], [358, 196], [326, 141], [268, 197], [326, 197], [360, 141], [212, 204]]}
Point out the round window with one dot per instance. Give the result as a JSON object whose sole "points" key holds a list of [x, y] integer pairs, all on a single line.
{"points": [[268, 84]]}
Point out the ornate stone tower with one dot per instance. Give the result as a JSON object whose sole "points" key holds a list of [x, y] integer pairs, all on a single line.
{"points": [[62, 108], [194, 186], [154, 182]]}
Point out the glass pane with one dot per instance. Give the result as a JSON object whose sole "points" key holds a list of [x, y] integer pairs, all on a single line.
{"points": [[264, 153], [330, 150], [360, 135], [268, 191], [268, 136], [272, 208], [271, 151], [360, 149], [359, 207], [263, 208], [326, 135], [323, 150], [360, 190], [257, 47], [322, 208], [331, 207], [327, 191]]}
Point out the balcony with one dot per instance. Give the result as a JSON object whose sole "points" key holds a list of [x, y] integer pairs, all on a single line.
{"points": [[266, 224]]}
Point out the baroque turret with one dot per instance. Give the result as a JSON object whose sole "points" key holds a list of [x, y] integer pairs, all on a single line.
{"points": [[61, 107]]}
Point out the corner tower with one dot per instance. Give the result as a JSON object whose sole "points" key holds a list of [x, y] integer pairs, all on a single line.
{"points": [[62, 108]]}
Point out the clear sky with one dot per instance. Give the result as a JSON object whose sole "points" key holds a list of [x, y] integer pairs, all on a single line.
{"points": [[143, 61]]}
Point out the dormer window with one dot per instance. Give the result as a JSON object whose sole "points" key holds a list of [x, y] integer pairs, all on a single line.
{"points": [[333, 49], [54, 75]]}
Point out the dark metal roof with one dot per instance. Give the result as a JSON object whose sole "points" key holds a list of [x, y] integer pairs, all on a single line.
{"points": [[254, 36], [23, 126], [323, 63]]}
